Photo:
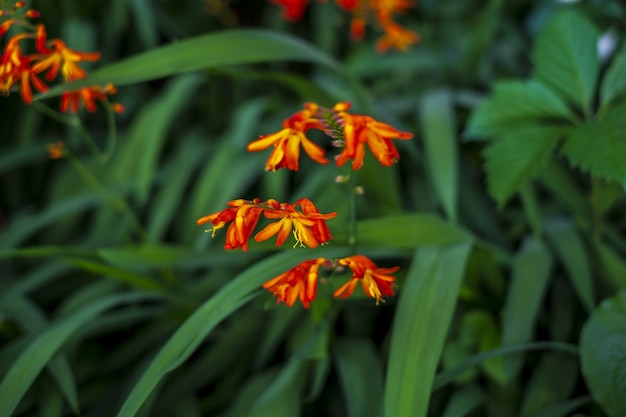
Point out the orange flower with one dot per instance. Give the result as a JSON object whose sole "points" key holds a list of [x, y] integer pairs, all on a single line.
{"points": [[359, 130], [299, 282], [287, 141], [244, 216], [292, 9], [376, 282], [396, 37], [15, 67], [60, 57], [56, 150], [87, 96], [308, 227]]}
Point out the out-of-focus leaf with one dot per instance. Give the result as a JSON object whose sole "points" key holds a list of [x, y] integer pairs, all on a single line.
{"points": [[143, 282], [464, 401], [614, 82], [361, 376], [230, 47], [439, 130], [421, 322], [447, 376], [517, 157], [193, 331], [531, 274], [552, 381], [613, 264], [514, 104], [603, 354], [572, 253], [598, 147], [408, 231], [562, 409], [282, 397], [566, 58], [38, 353], [139, 157]]}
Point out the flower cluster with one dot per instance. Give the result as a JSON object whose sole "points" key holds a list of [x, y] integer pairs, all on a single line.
{"points": [[382, 11], [52, 57], [300, 282], [351, 131], [307, 225]]}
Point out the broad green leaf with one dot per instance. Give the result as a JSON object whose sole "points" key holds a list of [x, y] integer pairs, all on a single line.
{"points": [[464, 401], [563, 409], [424, 312], [449, 375], [603, 354], [614, 82], [517, 157], [552, 381], [361, 375], [566, 58], [407, 231], [193, 331], [572, 253], [230, 47], [140, 155], [514, 104], [598, 147], [531, 274], [439, 131], [43, 348]]}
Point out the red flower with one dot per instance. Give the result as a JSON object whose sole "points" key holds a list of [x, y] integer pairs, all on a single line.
{"points": [[299, 282], [87, 96], [375, 282], [359, 130], [292, 9], [287, 141], [15, 67]]}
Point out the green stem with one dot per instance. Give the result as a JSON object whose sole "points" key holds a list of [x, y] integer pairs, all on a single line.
{"points": [[112, 136], [119, 204], [352, 231]]}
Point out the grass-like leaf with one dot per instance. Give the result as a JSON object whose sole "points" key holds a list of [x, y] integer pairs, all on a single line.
{"points": [[423, 315], [566, 58], [439, 129], [517, 157]]}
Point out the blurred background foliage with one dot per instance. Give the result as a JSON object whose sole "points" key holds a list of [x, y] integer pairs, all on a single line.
{"points": [[113, 301]]}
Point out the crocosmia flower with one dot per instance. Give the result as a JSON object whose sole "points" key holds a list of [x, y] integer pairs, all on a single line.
{"points": [[287, 141], [308, 226], [15, 67], [299, 282], [396, 37], [292, 9], [376, 282], [359, 130], [242, 215]]}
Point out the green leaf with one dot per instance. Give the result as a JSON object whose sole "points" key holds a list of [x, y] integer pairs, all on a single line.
{"points": [[598, 147], [439, 130], [614, 82], [566, 58], [424, 312], [563, 409], [571, 251], [514, 104], [449, 375], [517, 157], [407, 231], [43, 348], [603, 354], [613, 264], [230, 47], [140, 155], [193, 331], [464, 400], [531, 273], [282, 396], [360, 373]]}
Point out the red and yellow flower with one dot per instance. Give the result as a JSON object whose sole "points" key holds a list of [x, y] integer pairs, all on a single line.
{"points": [[287, 141], [300, 282], [359, 130], [308, 226], [376, 282]]}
